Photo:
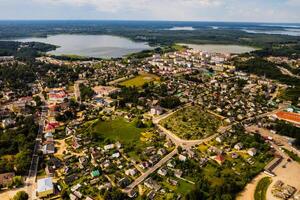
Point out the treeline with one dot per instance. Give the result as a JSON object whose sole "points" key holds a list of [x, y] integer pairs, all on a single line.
{"points": [[86, 92], [287, 129], [262, 67], [16, 146], [17, 75], [290, 51], [137, 95], [74, 58], [149, 53], [24, 50]]}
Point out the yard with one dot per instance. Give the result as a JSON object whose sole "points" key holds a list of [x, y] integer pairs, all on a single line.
{"points": [[192, 123], [140, 80]]}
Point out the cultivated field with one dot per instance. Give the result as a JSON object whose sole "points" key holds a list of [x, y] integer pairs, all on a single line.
{"points": [[192, 123]]}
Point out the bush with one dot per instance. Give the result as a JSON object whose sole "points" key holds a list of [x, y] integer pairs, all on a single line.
{"points": [[21, 196]]}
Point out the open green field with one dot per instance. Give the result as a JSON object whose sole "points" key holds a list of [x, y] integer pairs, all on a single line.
{"points": [[118, 130], [192, 123], [140, 80], [182, 188], [261, 188]]}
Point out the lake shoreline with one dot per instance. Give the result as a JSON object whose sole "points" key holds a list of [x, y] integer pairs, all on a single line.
{"points": [[220, 48], [87, 45]]}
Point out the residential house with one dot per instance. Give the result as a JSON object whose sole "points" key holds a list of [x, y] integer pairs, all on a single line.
{"points": [[238, 146], [252, 151], [6, 179], [95, 173], [219, 159], [48, 148], [178, 173], [157, 110], [152, 184], [131, 172], [182, 157], [162, 172]]}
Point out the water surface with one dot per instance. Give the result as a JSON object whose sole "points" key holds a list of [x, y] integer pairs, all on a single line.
{"points": [[101, 46]]}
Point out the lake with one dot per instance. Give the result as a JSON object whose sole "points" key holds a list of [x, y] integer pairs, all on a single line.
{"points": [[219, 48], [100, 46]]}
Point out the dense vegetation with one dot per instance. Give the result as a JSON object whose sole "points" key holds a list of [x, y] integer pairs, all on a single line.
{"points": [[86, 92], [290, 51], [221, 182], [17, 75], [159, 50], [291, 94], [21, 195], [16, 146], [261, 67], [287, 129], [292, 155], [23, 50], [170, 102]]}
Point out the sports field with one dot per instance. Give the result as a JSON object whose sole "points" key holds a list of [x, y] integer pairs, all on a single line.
{"points": [[140, 80]]}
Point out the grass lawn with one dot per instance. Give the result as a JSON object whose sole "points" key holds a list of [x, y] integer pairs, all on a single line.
{"points": [[118, 130], [140, 80], [261, 188], [184, 187], [192, 123]]}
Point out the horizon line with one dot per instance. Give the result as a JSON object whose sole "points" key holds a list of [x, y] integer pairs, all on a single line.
{"points": [[146, 20]]}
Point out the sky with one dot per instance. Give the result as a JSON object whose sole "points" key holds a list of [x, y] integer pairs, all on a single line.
{"points": [[173, 10]]}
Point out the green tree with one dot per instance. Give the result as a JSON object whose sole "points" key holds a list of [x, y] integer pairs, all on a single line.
{"points": [[22, 161], [21, 195]]}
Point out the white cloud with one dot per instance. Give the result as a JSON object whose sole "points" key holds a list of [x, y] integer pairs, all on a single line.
{"points": [[112, 6]]}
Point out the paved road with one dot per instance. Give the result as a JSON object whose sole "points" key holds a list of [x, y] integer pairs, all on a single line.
{"points": [[287, 72], [31, 178], [150, 171]]}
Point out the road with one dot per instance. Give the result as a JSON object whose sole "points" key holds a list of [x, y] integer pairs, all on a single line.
{"points": [[31, 178], [150, 171], [185, 144], [277, 138]]}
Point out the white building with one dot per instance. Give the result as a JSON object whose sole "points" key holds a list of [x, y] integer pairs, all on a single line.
{"points": [[44, 187]]}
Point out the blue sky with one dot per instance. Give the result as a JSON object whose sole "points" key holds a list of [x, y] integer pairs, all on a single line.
{"points": [[182, 10]]}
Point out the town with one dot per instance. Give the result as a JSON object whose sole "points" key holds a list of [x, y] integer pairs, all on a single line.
{"points": [[170, 126]]}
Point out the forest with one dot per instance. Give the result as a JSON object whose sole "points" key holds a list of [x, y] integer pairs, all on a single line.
{"points": [[17, 145]]}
